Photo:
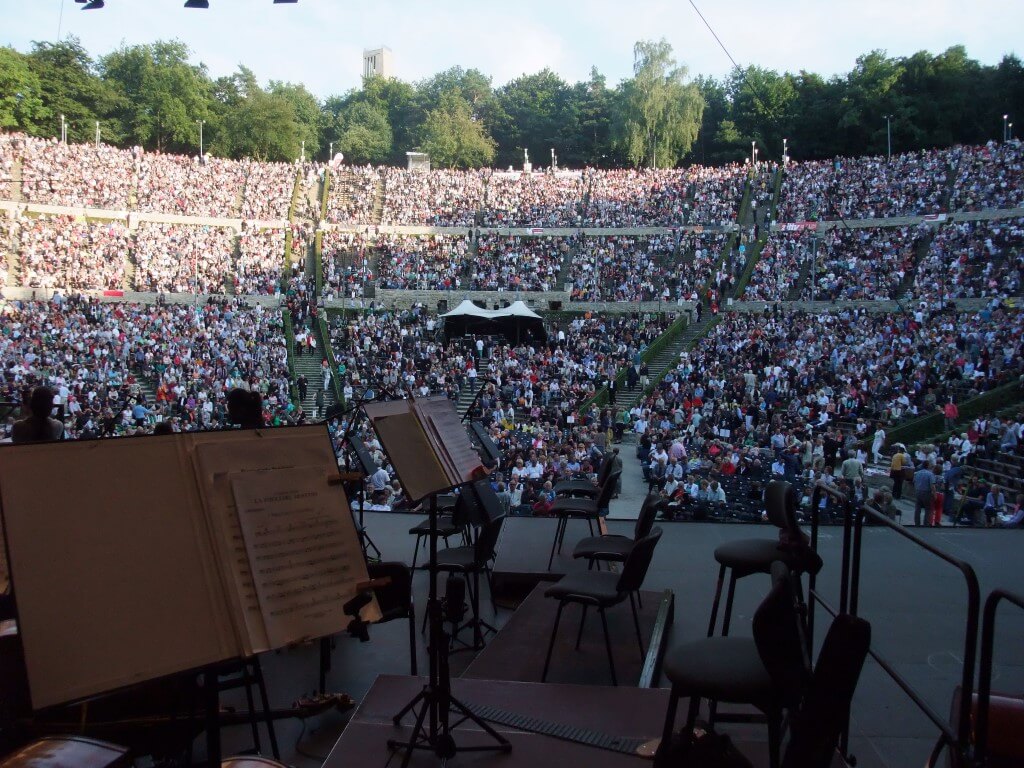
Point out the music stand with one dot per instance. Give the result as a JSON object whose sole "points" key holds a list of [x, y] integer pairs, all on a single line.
{"points": [[368, 466], [431, 453], [481, 506], [490, 452]]}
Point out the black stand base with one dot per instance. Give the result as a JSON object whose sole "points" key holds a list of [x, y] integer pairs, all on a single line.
{"points": [[437, 706], [440, 740]]}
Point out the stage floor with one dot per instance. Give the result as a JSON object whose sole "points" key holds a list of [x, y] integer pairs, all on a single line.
{"points": [[916, 605]]}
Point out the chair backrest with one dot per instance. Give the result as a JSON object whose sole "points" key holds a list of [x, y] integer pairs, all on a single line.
{"points": [[816, 727], [645, 520], [781, 638], [487, 540], [607, 490], [394, 598], [781, 500], [634, 570], [606, 467]]}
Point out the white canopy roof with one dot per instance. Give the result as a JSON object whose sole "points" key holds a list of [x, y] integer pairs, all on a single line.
{"points": [[468, 308]]}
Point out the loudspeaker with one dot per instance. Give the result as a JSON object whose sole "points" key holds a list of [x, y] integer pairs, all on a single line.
{"points": [[442, 306], [555, 306]]}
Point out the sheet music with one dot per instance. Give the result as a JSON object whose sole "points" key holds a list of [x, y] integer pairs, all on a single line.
{"points": [[416, 464], [218, 460], [302, 558], [450, 433]]}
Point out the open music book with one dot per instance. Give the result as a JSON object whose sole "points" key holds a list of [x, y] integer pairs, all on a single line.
{"points": [[135, 558], [427, 444]]}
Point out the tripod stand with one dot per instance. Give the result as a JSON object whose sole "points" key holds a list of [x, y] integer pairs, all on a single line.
{"points": [[433, 728]]}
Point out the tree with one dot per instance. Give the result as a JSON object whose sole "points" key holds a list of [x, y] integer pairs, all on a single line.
{"points": [[70, 87], [763, 103], [365, 133], [535, 115], [308, 116], [21, 104], [661, 114], [163, 95], [262, 126], [452, 137]]}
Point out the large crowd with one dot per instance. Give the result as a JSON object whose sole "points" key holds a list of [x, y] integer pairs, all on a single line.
{"points": [[434, 198], [173, 258], [63, 252], [434, 262], [104, 361], [621, 268], [518, 263]]}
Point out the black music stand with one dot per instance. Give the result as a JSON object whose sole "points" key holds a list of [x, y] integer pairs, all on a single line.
{"points": [[434, 727], [481, 506], [368, 467], [489, 452]]}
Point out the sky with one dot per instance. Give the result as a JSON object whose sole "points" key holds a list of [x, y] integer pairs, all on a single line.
{"points": [[319, 42]]}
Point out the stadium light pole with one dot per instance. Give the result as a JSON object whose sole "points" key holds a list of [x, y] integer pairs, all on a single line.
{"points": [[888, 138], [1005, 118], [201, 123]]}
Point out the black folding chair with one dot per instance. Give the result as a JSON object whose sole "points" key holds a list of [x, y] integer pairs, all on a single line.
{"points": [[602, 590]]}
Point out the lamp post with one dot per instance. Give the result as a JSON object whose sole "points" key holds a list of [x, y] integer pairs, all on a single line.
{"points": [[63, 131], [303, 150], [1009, 131], [1005, 134], [752, 143], [330, 152], [785, 151], [888, 138], [201, 123], [756, 152], [97, 133]]}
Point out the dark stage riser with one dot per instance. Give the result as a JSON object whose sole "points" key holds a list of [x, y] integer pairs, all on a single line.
{"points": [[629, 713]]}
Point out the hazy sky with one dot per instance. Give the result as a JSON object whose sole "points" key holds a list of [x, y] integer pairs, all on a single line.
{"points": [[320, 42]]}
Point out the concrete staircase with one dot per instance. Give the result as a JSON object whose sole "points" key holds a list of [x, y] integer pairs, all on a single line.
{"points": [[467, 395], [309, 366], [665, 359], [377, 214], [13, 191], [921, 248]]}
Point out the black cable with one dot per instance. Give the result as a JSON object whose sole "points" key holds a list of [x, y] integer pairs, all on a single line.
{"points": [[713, 34]]}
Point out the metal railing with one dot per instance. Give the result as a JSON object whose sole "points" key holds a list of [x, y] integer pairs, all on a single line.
{"points": [[849, 593]]}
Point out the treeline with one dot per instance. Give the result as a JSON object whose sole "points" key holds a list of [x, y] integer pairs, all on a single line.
{"points": [[151, 95]]}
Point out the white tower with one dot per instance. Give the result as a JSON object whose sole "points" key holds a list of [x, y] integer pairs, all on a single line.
{"points": [[378, 62]]}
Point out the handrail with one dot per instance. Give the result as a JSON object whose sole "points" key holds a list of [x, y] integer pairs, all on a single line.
{"points": [[849, 603], [988, 628], [853, 525]]}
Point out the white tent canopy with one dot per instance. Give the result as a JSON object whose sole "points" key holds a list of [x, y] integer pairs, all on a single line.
{"points": [[516, 321]]}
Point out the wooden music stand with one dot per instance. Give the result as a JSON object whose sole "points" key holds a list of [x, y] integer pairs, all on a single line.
{"points": [[432, 453]]}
